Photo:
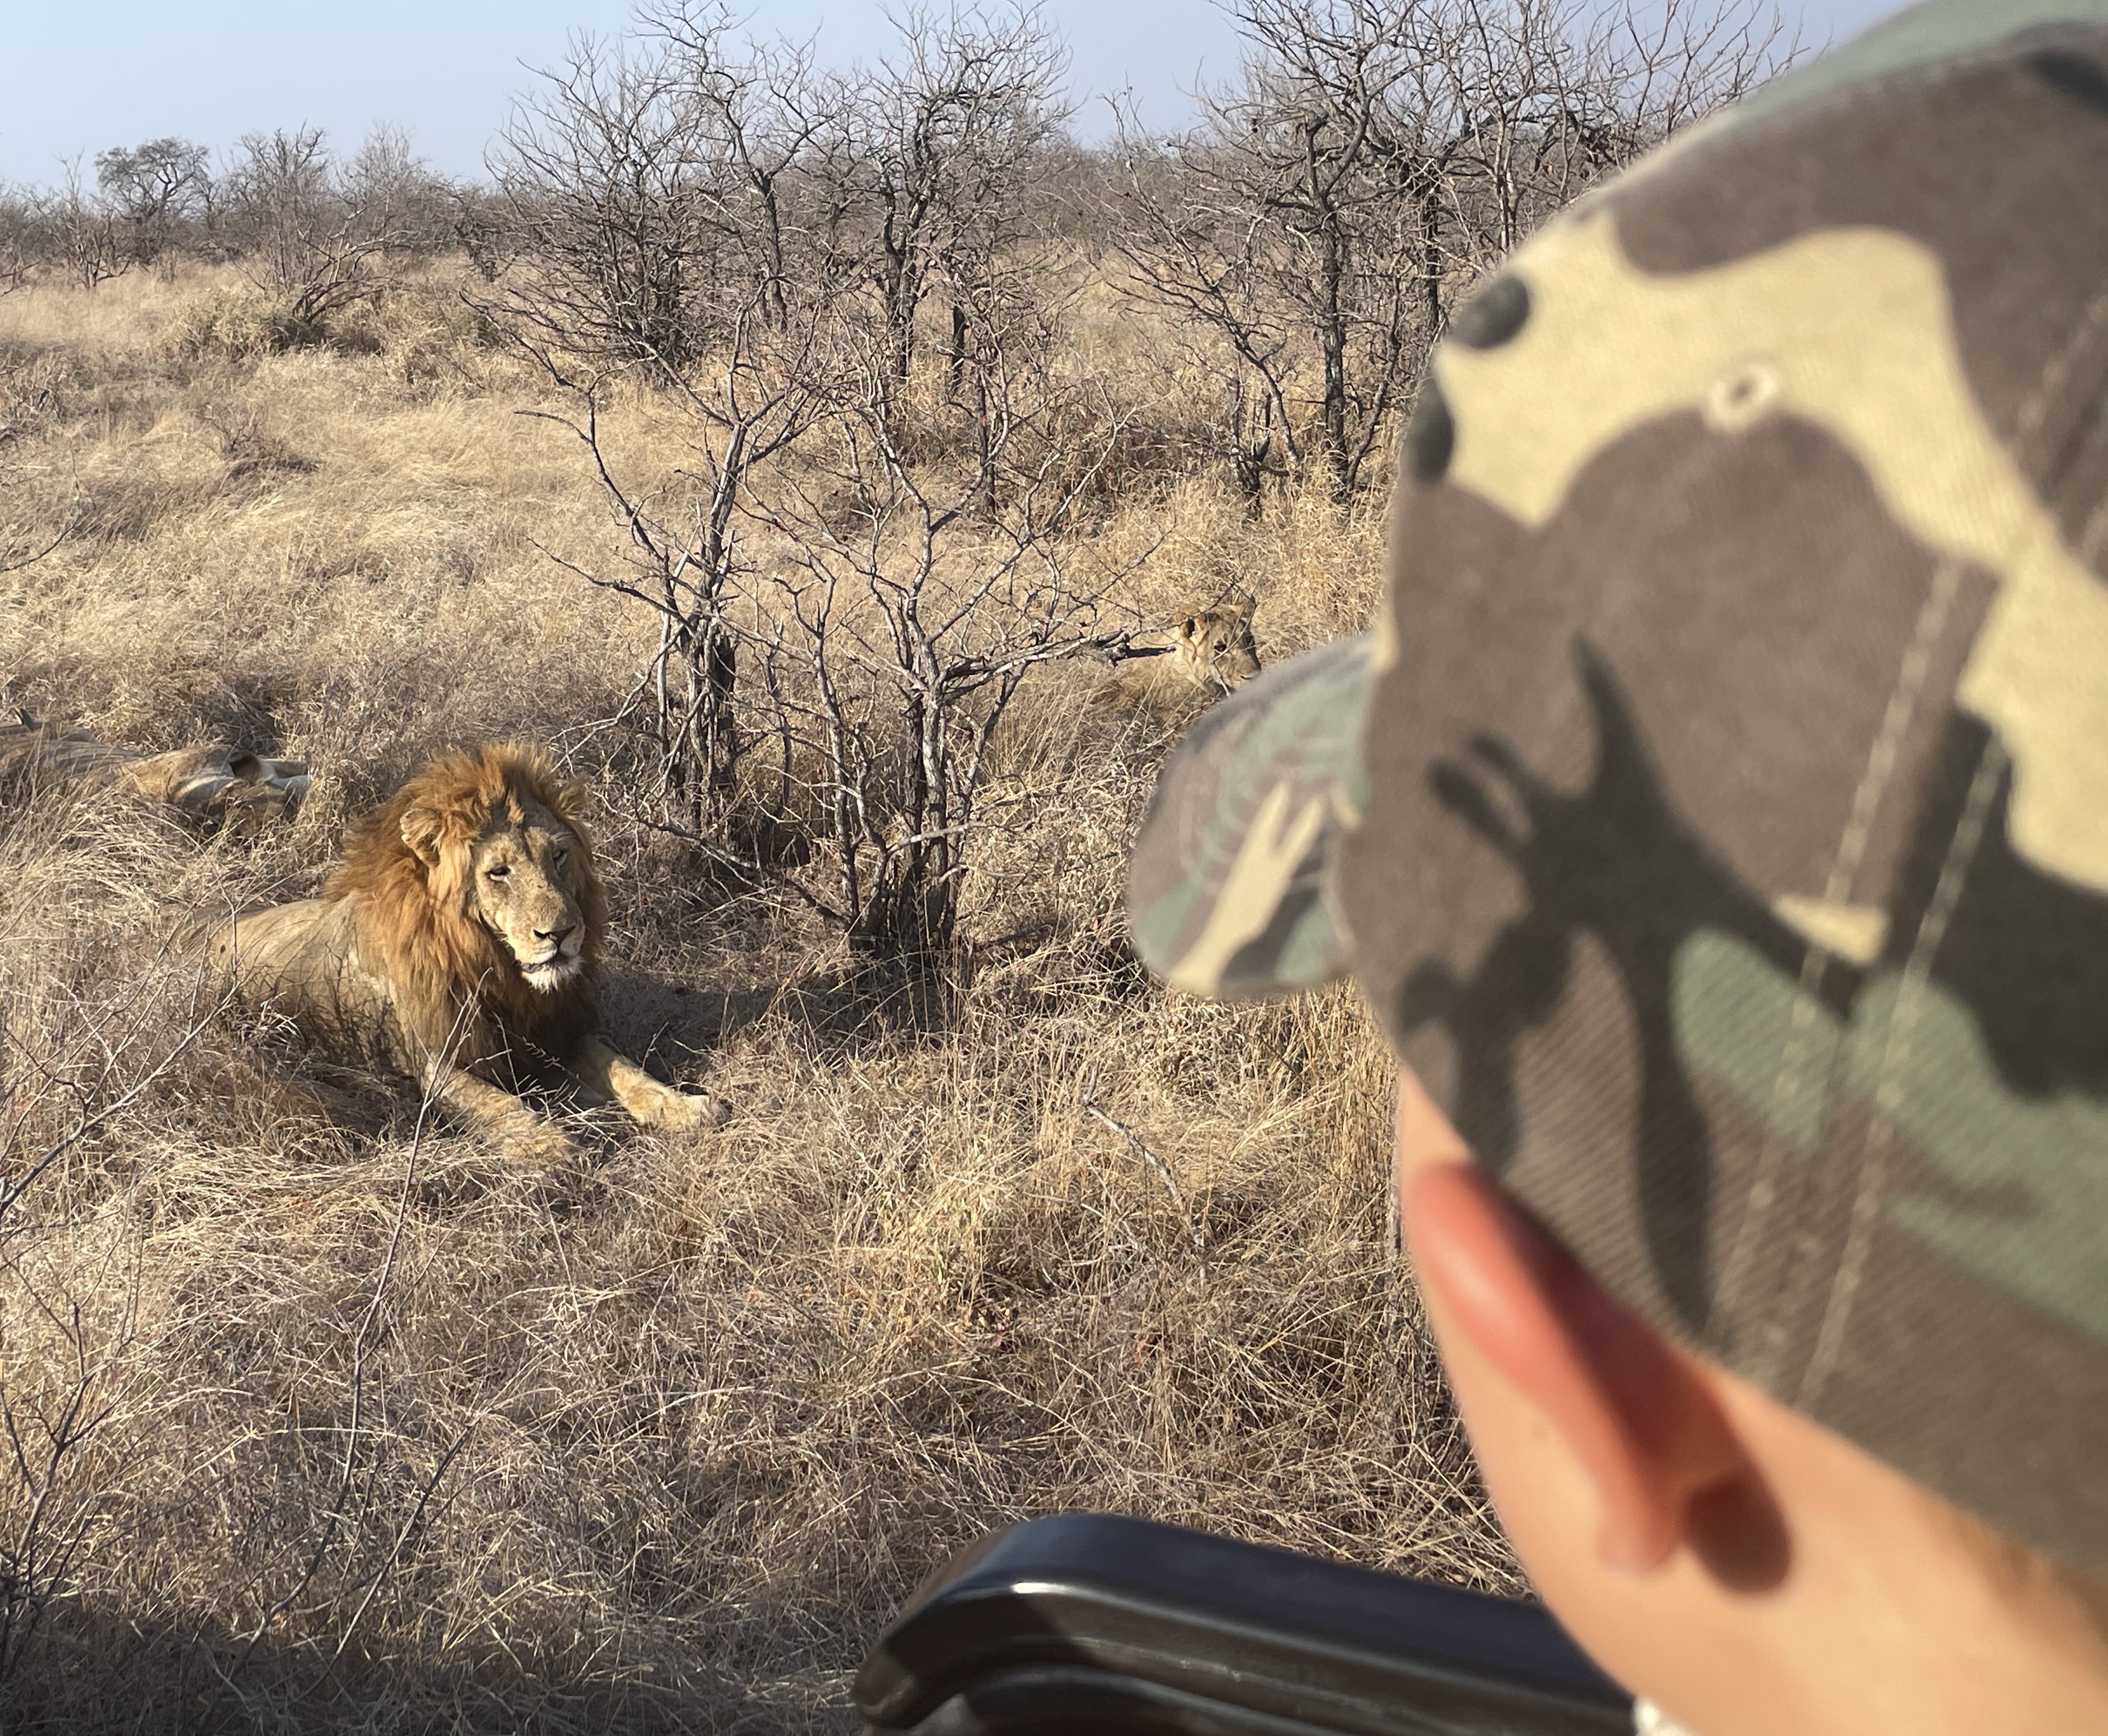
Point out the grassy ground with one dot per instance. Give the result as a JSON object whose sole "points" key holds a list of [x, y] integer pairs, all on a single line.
{"points": [[319, 1423]]}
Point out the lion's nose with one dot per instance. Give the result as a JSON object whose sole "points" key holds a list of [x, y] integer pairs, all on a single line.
{"points": [[555, 937]]}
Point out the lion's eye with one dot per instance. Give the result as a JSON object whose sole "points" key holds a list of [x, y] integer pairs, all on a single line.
{"points": [[498, 873], [563, 855]]}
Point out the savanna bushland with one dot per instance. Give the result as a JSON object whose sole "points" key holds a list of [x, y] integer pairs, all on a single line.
{"points": [[798, 450]]}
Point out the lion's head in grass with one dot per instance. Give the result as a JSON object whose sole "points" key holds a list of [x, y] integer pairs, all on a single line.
{"points": [[477, 875], [1214, 649], [1208, 653]]}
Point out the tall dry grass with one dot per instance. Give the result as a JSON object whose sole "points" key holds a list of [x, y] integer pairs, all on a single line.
{"points": [[320, 1420]]}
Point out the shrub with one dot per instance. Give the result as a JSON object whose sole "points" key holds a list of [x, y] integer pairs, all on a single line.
{"points": [[237, 327]]}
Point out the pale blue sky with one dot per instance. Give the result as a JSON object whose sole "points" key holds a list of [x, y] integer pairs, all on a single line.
{"points": [[82, 76]]}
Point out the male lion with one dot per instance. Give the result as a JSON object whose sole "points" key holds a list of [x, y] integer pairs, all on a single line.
{"points": [[458, 941], [1211, 651]]}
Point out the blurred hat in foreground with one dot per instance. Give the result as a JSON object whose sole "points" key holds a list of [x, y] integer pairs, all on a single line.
{"points": [[1717, 814]]}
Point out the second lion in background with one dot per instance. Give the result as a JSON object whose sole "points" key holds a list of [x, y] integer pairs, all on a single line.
{"points": [[1211, 652]]}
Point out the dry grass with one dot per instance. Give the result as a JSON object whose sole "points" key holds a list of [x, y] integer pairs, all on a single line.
{"points": [[361, 1433]]}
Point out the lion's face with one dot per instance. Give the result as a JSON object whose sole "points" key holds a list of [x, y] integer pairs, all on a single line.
{"points": [[1216, 647], [503, 848], [525, 887]]}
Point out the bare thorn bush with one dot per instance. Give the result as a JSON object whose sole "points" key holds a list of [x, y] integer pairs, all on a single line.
{"points": [[1371, 162]]}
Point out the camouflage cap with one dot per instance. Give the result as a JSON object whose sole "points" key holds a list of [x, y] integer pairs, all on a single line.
{"points": [[1717, 817]]}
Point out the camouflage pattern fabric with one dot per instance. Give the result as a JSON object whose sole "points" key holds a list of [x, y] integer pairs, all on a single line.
{"points": [[1243, 906], [219, 786], [1727, 843]]}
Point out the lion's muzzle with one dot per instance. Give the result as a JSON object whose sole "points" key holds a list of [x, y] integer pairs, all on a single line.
{"points": [[550, 969]]}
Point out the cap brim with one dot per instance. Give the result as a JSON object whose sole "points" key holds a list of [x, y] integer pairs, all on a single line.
{"points": [[1229, 893]]}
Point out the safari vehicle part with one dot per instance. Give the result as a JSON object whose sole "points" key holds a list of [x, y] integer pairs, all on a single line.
{"points": [[1088, 1623]]}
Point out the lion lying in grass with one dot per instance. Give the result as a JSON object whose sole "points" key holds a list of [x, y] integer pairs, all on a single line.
{"points": [[456, 940], [1211, 651], [217, 787]]}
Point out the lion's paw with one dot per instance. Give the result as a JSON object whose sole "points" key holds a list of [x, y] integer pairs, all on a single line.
{"points": [[678, 1111], [541, 1147]]}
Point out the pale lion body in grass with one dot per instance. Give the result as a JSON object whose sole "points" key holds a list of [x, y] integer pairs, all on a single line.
{"points": [[1211, 651], [458, 941], [219, 786]]}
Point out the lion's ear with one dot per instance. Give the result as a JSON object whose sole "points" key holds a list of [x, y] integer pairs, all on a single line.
{"points": [[420, 832], [571, 799]]}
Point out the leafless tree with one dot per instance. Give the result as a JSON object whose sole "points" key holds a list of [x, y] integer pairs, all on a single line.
{"points": [[760, 106], [80, 232], [844, 607], [1537, 100], [20, 238], [764, 387], [843, 620], [154, 190], [609, 188], [305, 236], [931, 161], [279, 206], [1287, 229], [898, 631], [398, 195], [1372, 160], [660, 199], [483, 227]]}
